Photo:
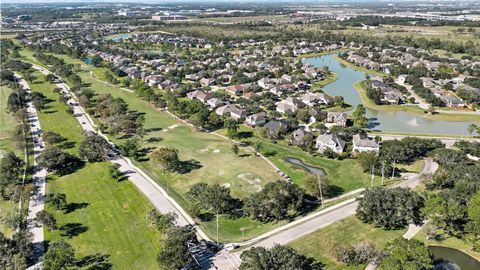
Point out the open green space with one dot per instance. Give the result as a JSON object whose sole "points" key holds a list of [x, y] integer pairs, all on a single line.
{"points": [[452, 242], [102, 216], [321, 244], [7, 125]]}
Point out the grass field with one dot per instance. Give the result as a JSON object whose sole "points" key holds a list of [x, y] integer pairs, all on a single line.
{"points": [[104, 216], [321, 244], [7, 124], [452, 242], [244, 174]]}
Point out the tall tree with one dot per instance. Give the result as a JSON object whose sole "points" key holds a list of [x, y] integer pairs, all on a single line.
{"points": [[60, 255], [277, 258], [402, 254], [390, 208]]}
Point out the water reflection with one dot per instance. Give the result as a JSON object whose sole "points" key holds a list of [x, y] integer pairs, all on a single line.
{"points": [[387, 121]]}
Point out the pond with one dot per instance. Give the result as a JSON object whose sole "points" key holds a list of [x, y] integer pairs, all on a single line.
{"points": [[387, 121], [453, 259], [308, 168], [120, 37]]}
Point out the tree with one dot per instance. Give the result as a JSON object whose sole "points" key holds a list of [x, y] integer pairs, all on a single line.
{"points": [[167, 157], [446, 156], [60, 255], [175, 253], [161, 222], [390, 208], [130, 148], [10, 168], [338, 101], [276, 201], [472, 129], [257, 146], [359, 119], [115, 172], [367, 160], [445, 211], [51, 137], [57, 200], [15, 250], [57, 161], [235, 149], [94, 148], [46, 219], [407, 254], [232, 128], [96, 61], [317, 185], [277, 258], [359, 253], [473, 224]]}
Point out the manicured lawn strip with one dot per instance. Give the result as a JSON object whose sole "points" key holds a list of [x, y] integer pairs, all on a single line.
{"points": [[322, 243], [7, 125], [452, 242], [114, 218], [360, 87]]}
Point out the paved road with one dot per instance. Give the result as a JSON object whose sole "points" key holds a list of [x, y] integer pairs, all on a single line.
{"points": [[231, 260], [36, 200], [155, 194]]}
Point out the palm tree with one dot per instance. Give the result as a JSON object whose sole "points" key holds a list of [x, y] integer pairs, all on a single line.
{"points": [[472, 128]]}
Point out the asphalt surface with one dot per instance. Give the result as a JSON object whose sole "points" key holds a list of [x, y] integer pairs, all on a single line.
{"points": [[231, 260], [36, 199]]}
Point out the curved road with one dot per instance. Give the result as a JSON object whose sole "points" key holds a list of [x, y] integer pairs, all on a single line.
{"points": [[231, 260]]}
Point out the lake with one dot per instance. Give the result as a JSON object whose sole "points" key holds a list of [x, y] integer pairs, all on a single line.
{"points": [[386, 121], [120, 37], [453, 259]]}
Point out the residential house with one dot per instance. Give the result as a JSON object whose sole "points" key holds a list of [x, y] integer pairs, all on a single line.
{"points": [[207, 81], [275, 128], [256, 119], [329, 141], [364, 144], [301, 137], [338, 118], [290, 104]]}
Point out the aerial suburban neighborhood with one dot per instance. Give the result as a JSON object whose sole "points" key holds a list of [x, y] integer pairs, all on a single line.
{"points": [[253, 135]]}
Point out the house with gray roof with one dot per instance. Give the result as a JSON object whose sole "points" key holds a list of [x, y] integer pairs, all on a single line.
{"points": [[364, 144], [329, 141]]}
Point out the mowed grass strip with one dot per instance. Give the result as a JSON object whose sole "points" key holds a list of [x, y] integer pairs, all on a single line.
{"points": [[321, 244], [105, 216], [7, 125]]}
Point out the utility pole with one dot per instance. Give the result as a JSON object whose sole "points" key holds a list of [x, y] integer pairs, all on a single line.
{"points": [[218, 243], [371, 180], [393, 169], [320, 188], [383, 170]]}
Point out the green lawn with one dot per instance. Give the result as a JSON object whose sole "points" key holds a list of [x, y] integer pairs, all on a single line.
{"points": [[113, 214], [321, 244], [7, 124], [244, 174], [452, 242]]}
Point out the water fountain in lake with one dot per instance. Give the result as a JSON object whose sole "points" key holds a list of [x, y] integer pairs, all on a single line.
{"points": [[413, 121]]}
